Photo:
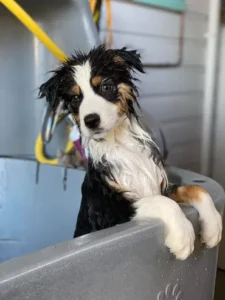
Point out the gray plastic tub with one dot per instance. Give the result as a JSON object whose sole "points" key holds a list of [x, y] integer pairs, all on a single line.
{"points": [[127, 262]]}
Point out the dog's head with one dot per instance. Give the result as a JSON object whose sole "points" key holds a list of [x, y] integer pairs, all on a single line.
{"points": [[98, 88]]}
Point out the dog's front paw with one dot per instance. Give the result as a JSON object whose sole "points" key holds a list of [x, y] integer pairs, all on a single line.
{"points": [[179, 231], [211, 231], [180, 235]]}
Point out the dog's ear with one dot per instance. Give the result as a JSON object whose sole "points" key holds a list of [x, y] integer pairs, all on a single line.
{"points": [[50, 90], [130, 58]]}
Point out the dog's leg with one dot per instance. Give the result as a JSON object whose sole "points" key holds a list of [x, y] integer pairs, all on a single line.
{"points": [[179, 231], [210, 219]]}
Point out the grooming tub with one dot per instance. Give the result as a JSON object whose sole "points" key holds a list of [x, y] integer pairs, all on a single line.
{"points": [[128, 261]]}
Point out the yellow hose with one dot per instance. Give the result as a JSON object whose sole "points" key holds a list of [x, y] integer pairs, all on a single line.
{"points": [[20, 13], [24, 18]]}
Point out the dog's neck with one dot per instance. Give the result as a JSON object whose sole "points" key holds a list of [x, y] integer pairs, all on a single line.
{"points": [[127, 135]]}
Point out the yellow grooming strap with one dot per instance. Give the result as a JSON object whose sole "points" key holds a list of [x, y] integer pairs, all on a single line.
{"points": [[24, 18], [40, 155]]}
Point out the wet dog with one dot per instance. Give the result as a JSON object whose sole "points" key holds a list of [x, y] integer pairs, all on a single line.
{"points": [[126, 177]]}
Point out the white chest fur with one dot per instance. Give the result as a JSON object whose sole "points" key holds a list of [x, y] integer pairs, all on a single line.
{"points": [[135, 172], [133, 167]]}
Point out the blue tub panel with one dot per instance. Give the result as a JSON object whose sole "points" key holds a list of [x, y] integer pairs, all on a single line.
{"points": [[36, 215]]}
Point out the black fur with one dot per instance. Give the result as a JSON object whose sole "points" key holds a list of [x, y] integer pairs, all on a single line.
{"points": [[171, 189], [101, 206], [59, 86]]}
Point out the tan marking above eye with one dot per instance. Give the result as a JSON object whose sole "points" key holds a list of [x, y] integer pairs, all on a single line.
{"points": [[76, 89], [118, 60], [97, 80]]}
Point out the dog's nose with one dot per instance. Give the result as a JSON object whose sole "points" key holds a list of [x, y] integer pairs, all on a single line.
{"points": [[92, 121]]}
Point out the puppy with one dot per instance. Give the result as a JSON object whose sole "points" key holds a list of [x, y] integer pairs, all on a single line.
{"points": [[126, 177]]}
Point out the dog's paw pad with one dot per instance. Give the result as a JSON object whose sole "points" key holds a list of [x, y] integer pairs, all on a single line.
{"points": [[172, 292]]}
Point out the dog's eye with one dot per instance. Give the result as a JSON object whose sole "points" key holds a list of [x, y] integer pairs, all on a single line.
{"points": [[75, 100], [108, 88]]}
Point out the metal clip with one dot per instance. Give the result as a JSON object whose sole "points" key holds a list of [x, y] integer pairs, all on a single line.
{"points": [[49, 121]]}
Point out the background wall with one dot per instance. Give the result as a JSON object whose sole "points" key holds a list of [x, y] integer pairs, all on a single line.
{"points": [[172, 96], [218, 157]]}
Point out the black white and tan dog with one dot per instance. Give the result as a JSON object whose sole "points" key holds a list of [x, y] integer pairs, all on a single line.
{"points": [[126, 177]]}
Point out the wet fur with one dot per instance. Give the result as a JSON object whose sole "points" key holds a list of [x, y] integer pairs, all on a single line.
{"points": [[126, 177]]}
